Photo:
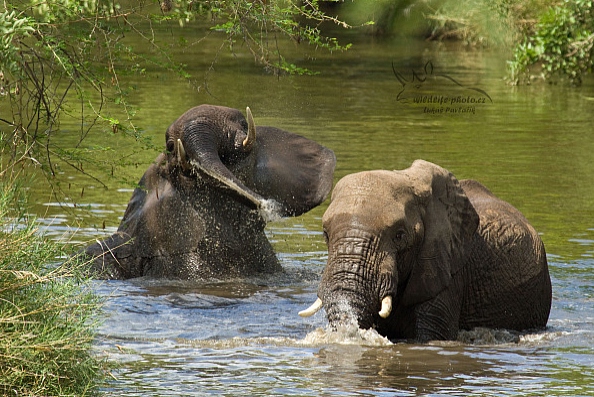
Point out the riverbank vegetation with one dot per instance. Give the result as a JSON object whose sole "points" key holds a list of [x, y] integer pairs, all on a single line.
{"points": [[551, 40], [559, 44], [47, 312]]}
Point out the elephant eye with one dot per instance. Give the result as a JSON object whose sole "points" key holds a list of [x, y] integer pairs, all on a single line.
{"points": [[400, 236]]}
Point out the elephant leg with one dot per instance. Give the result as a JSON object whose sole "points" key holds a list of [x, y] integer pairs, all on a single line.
{"points": [[438, 318], [112, 258]]}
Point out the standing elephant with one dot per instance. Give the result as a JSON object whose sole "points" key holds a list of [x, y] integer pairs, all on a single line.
{"points": [[418, 255], [200, 210]]}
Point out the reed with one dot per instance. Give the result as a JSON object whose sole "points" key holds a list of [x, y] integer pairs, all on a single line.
{"points": [[48, 313]]}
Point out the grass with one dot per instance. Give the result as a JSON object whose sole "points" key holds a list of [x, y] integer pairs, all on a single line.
{"points": [[47, 311]]}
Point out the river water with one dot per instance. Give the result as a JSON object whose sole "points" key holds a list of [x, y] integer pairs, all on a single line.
{"points": [[531, 145]]}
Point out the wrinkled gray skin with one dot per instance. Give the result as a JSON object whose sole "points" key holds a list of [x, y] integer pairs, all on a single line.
{"points": [[200, 210], [450, 255]]}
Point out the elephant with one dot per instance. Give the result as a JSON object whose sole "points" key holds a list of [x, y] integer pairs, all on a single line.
{"points": [[419, 256], [199, 211]]}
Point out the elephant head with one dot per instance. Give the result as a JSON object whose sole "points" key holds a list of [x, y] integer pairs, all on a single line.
{"points": [[258, 164], [201, 208], [395, 240]]}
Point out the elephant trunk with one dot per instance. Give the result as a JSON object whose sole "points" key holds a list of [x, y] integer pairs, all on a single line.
{"points": [[205, 148], [345, 308], [358, 285], [204, 153]]}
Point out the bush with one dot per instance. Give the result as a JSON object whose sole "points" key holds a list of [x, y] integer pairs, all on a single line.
{"points": [[47, 312], [562, 44]]}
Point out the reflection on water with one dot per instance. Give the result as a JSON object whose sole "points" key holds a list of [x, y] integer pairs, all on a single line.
{"points": [[531, 146]]}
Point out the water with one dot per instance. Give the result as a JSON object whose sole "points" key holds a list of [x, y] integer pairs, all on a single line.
{"points": [[530, 145], [245, 339]]}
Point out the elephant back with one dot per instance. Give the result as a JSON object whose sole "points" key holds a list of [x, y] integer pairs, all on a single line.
{"points": [[507, 264]]}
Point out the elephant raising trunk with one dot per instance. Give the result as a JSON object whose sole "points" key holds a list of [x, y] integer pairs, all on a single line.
{"points": [[416, 254], [201, 208]]}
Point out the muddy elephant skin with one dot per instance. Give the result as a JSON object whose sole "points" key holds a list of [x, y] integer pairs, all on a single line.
{"points": [[418, 255], [200, 209]]}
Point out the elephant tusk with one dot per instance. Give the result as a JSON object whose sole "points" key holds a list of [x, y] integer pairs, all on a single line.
{"points": [[181, 153], [313, 309], [250, 139], [386, 307]]}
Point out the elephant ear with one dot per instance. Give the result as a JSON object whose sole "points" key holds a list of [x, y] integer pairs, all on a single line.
{"points": [[450, 221], [294, 171]]}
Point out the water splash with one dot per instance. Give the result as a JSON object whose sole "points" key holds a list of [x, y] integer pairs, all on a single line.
{"points": [[488, 336], [544, 337], [270, 210], [345, 335], [347, 332]]}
